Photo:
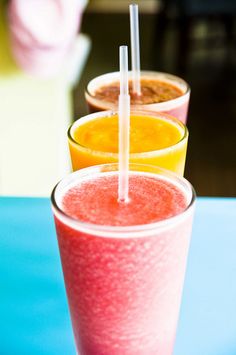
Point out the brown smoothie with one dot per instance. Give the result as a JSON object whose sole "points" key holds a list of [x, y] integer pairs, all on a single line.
{"points": [[160, 92], [152, 91]]}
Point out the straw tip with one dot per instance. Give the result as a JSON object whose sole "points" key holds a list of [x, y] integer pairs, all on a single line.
{"points": [[123, 53], [133, 5]]}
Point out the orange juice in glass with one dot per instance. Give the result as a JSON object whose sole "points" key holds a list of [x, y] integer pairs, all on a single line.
{"points": [[155, 139]]}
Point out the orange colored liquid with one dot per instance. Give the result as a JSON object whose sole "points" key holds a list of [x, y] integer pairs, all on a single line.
{"points": [[155, 140]]}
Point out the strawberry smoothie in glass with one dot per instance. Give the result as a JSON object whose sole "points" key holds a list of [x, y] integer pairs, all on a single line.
{"points": [[123, 263]]}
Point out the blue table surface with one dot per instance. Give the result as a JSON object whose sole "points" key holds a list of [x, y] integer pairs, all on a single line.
{"points": [[34, 317]]}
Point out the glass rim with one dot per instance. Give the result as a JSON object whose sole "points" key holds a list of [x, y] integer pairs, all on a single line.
{"points": [[143, 73], [133, 231], [139, 155]]}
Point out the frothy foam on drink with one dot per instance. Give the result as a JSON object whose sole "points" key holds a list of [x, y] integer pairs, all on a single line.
{"points": [[151, 199]]}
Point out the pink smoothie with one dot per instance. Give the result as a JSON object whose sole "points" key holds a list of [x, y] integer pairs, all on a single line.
{"points": [[124, 291]]}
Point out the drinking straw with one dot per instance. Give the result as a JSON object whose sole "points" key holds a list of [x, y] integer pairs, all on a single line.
{"points": [[135, 51], [124, 123]]}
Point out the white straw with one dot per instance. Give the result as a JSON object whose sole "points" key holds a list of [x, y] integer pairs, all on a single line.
{"points": [[124, 123], [135, 51]]}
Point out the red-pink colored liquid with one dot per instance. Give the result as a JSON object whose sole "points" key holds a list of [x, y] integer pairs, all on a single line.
{"points": [[124, 292], [180, 111]]}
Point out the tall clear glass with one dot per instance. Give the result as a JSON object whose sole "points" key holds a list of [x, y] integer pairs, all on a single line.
{"points": [[124, 283]]}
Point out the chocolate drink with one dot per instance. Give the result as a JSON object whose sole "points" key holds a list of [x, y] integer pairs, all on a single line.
{"points": [[160, 92]]}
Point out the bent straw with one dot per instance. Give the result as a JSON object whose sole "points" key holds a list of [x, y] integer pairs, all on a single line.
{"points": [[124, 123], [135, 51]]}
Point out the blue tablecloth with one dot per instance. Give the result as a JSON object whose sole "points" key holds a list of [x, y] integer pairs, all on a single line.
{"points": [[34, 318]]}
